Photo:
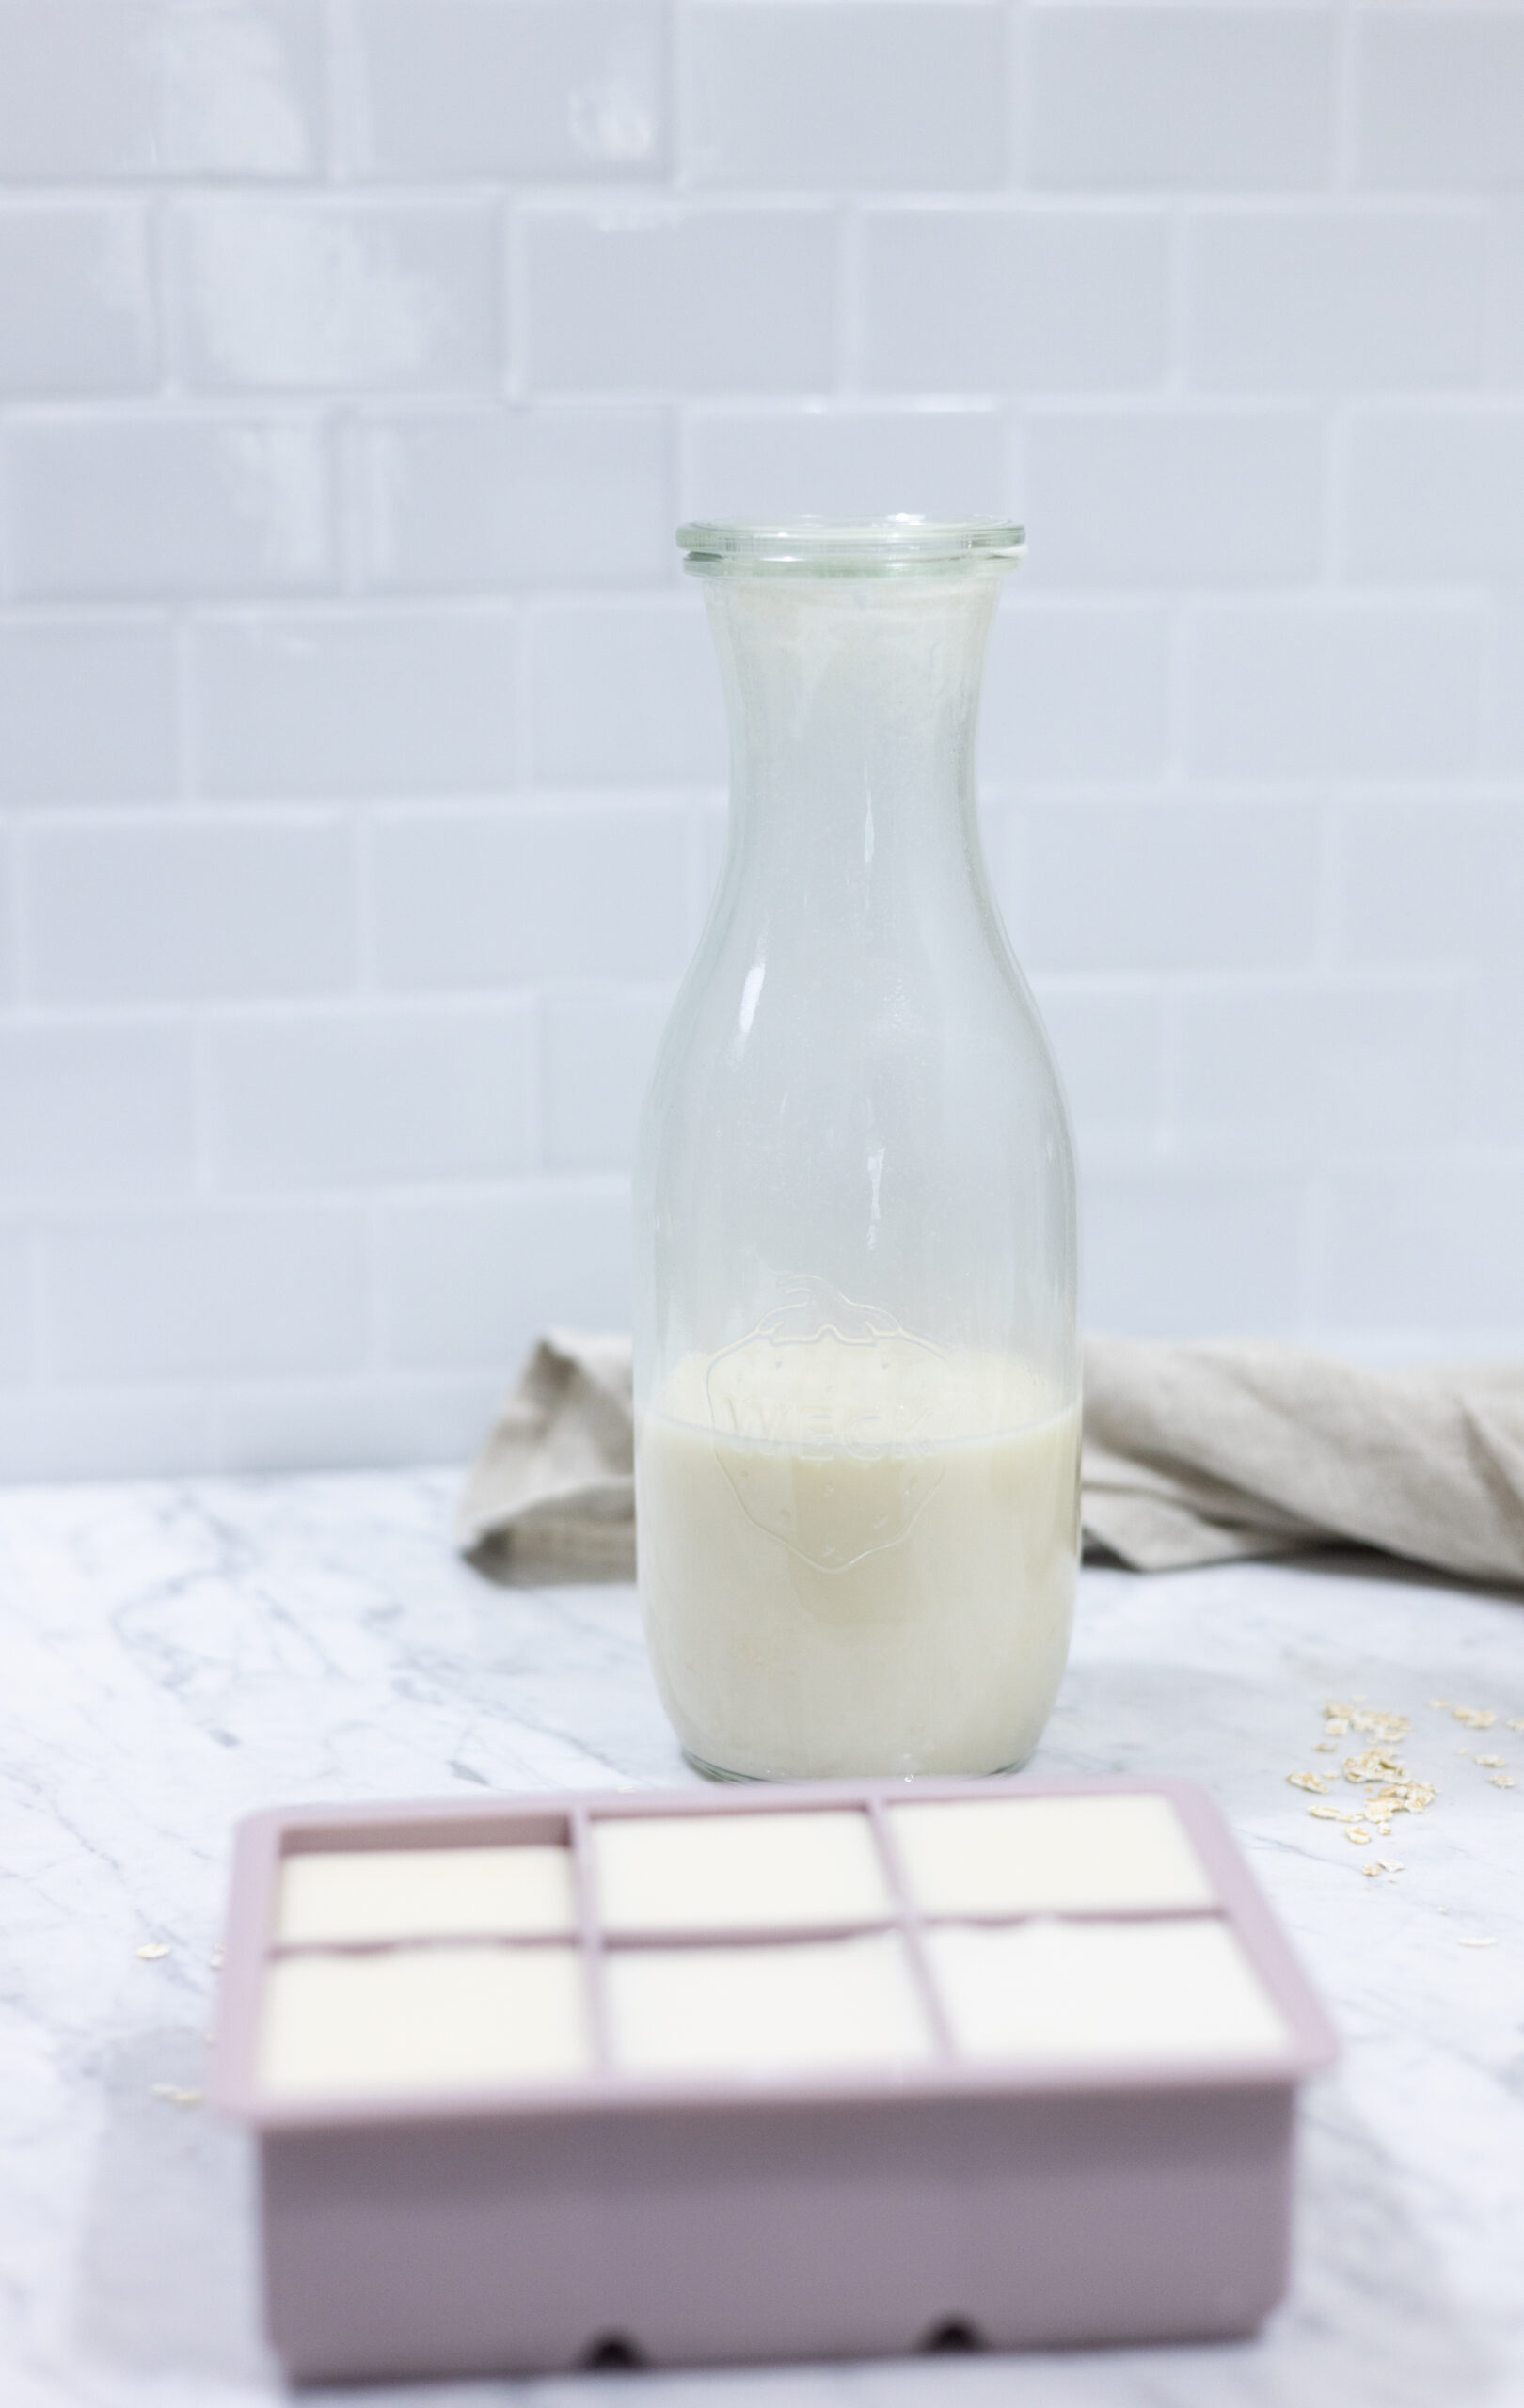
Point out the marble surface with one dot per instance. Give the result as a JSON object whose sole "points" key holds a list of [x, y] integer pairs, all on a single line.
{"points": [[174, 1656]]}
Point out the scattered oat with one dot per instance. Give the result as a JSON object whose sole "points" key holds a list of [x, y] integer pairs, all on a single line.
{"points": [[1377, 1764], [1325, 1748], [1517, 1723], [1440, 1704], [1492, 1763], [1476, 1718], [1334, 1813], [1502, 1781], [1444, 1911], [1378, 1721], [153, 1949], [1315, 1781], [1402, 1797], [176, 2098], [1356, 1835], [1466, 1942], [1379, 1864], [1463, 1751]]}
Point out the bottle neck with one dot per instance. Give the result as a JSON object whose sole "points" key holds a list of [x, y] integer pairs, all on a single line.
{"points": [[854, 704]]}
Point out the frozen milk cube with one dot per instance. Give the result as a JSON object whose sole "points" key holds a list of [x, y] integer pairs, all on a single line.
{"points": [[425, 1893], [1138, 1992], [1011, 1856], [738, 1871], [766, 2009], [421, 2018]]}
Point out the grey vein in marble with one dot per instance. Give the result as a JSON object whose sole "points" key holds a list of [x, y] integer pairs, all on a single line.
{"points": [[174, 1656]]}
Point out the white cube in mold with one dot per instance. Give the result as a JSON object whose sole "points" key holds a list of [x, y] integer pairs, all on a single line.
{"points": [[436, 2019], [769, 2009], [733, 1872], [358, 1894], [1016, 1856], [1126, 1993]]}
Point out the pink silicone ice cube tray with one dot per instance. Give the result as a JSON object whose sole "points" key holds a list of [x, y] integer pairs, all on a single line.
{"points": [[682, 2215]]}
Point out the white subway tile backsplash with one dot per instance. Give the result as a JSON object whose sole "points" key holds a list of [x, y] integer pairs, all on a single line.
{"points": [[76, 300], [119, 1434], [378, 703], [826, 93], [1175, 497], [1343, 688], [1505, 730], [600, 1044], [87, 711], [626, 693], [360, 1098], [1439, 98], [206, 1291], [94, 1109], [18, 1346], [640, 296], [1433, 1248], [1192, 1252], [1505, 319], [1337, 299], [509, 898], [336, 296], [993, 300], [324, 1425], [1076, 692], [135, 507], [528, 89], [1430, 885], [1434, 496], [864, 463], [477, 499], [1162, 888], [1111, 1048], [472, 1282], [167, 912], [99, 88], [1204, 97], [1319, 1071]]}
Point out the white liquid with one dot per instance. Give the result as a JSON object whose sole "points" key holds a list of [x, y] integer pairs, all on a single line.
{"points": [[421, 2018], [1023, 1856], [759, 2011], [425, 1893], [857, 1557], [736, 1873]]}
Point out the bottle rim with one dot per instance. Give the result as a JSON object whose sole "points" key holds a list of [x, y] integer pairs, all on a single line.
{"points": [[848, 547]]}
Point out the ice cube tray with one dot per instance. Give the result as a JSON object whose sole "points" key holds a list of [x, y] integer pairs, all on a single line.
{"points": [[760, 2074]]}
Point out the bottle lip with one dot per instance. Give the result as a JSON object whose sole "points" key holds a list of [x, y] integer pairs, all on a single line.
{"points": [[848, 547]]}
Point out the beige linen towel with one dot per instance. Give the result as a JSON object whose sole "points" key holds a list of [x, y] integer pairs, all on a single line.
{"points": [[1199, 1453]]}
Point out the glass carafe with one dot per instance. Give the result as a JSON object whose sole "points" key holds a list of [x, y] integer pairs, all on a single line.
{"points": [[856, 1369]]}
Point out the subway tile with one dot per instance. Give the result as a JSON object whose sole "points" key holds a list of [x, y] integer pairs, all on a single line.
{"points": [[1439, 98], [1334, 688], [534, 90], [504, 899], [205, 1291], [166, 912], [1431, 1248], [384, 701], [1505, 731], [1203, 97], [1110, 1048], [18, 1348], [626, 693], [1192, 1252], [852, 463], [121, 1434], [1429, 885], [336, 296], [827, 93], [373, 1095], [92, 89], [1319, 1071], [105, 1108], [668, 297], [135, 507], [87, 711], [1076, 692], [469, 1282], [336, 1426], [1163, 888], [984, 301], [1175, 497], [479, 500], [1330, 300], [76, 301], [8, 914], [1434, 496], [1505, 318], [599, 1047]]}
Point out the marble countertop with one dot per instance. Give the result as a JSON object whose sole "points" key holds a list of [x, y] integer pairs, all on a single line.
{"points": [[174, 1656]]}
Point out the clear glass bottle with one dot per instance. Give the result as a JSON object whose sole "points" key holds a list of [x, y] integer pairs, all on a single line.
{"points": [[856, 1366]]}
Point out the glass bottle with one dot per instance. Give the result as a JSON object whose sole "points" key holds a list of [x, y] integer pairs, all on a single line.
{"points": [[856, 1365]]}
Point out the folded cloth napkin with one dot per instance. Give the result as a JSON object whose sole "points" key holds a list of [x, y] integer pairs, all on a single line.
{"points": [[1200, 1453]]}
